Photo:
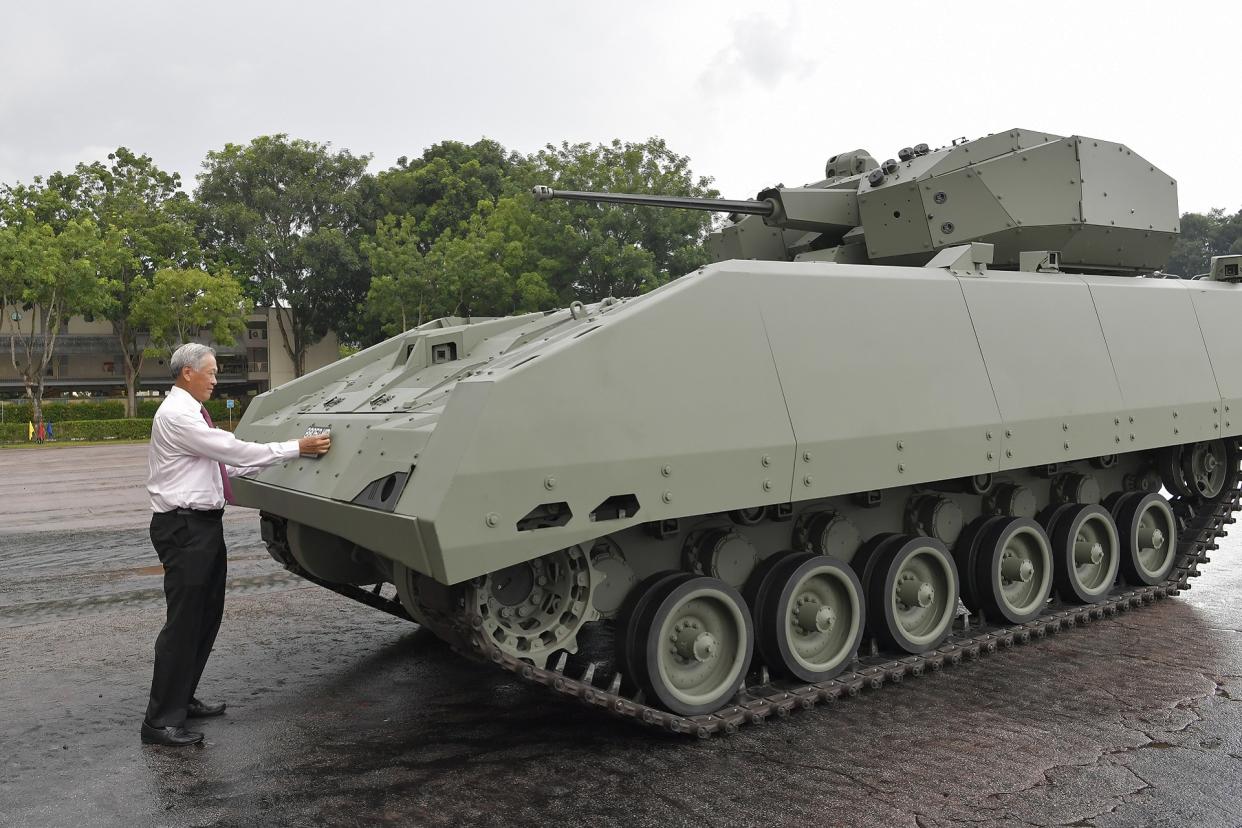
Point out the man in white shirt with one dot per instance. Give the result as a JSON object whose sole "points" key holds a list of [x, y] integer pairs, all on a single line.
{"points": [[190, 462]]}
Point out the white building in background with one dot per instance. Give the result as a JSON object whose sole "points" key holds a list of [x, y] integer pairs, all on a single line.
{"points": [[87, 359]]}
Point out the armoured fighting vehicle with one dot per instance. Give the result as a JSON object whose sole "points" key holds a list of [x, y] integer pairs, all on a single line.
{"points": [[914, 412]]}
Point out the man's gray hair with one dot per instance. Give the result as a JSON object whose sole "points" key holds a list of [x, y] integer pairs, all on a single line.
{"points": [[190, 354]]}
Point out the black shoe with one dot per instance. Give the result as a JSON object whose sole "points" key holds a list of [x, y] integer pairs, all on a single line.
{"points": [[169, 736], [202, 710]]}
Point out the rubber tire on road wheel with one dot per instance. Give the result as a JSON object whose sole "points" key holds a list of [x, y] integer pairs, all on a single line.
{"points": [[628, 660], [1066, 527], [1130, 512], [964, 555], [673, 598], [884, 617], [772, 614], [989, 557]]}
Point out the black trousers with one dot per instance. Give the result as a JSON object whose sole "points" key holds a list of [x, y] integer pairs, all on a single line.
{"points": [[191, 547]]}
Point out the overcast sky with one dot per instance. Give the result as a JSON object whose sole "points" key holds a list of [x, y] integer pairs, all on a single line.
{"points": [[755, 93]]}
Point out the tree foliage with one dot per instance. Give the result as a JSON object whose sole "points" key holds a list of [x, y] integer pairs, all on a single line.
{"points": [[440, 191], [49, 272], [401, 289], [623, 250], [307, 232], [496, 266], [181, 303], [504, 253], [1203, 236], [285, 216], [144, 221]]}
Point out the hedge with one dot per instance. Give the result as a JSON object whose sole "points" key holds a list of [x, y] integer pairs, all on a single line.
{"points": [[133, 429], [71, 430], [56, 411]]}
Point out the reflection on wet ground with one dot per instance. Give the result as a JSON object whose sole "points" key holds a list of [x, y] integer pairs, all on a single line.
{"points": [[341, 715]]}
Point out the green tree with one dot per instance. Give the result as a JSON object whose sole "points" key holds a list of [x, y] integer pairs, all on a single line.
{"points": [[414, 206], [622, 250], [401, 289], [492, 266], [1203, 236], [496, 266], [285, 216], [47, 275], [145, 225], [439, 191], [180, 303], [457, 232]]}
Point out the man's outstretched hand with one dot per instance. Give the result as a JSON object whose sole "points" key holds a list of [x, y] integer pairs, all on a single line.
{"points": [[315, 446]]}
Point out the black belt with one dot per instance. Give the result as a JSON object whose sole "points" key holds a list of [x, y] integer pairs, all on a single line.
{"points": [[207, 513]]}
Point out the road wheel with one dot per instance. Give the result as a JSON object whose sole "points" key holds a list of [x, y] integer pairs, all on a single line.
{"points": [[1013, 569], [1085, 553], [697, 641], [808, 616], [627, 636], [912, 594], [1148, 532]]}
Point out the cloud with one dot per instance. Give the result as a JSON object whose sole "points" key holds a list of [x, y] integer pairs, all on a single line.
{"points": [[763, 51]]}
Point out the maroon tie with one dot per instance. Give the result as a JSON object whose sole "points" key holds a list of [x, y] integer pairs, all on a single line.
{"points": [[224, 475]]}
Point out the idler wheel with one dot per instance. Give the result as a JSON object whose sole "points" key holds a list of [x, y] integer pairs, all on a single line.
{"points": [[1209, 465], [1148, 532], [1173, 474], [1085, 552], [808, 615], [696, 641], [1197, 469], [911, 589], [1013, 569]]}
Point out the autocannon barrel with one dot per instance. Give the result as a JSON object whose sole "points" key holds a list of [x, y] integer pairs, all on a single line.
{"points": [[714, 205]]}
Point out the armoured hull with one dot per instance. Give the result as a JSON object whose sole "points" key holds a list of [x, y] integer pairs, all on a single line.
{"points": [[771, 482], [743, 385]]}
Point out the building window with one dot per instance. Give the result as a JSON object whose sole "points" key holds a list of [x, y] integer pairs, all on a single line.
{"points": [[231, 364], [258, 360]]}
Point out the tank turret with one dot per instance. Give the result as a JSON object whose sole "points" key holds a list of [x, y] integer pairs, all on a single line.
{"points": [[1096, 205]]}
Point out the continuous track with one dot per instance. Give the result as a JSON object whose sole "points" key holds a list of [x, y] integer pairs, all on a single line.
{"points": [[1201, 524]]}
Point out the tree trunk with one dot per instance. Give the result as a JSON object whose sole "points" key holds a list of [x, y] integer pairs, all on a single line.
{"points": [[32, 371], [292, 342], [32, 379], [34, 390], [131, 389], [131, 358]]}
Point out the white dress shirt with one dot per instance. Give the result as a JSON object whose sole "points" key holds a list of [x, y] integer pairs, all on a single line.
{"points": [[185, 453]]}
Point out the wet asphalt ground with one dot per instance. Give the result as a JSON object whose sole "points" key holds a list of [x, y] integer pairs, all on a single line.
{"points": [[341, 715]]}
